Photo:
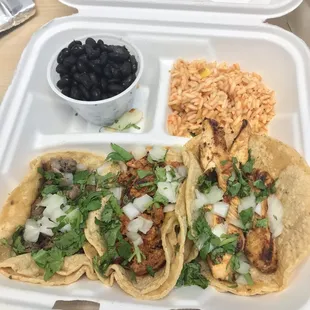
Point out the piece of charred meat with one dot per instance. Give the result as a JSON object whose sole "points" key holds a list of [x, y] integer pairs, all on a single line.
{"points": [[61, 165], [261, 251], [74, 192], [232, 229], [36, 211]]}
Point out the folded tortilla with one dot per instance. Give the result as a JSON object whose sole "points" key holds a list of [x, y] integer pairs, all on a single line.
{"points": [[284, 163], [173, 235], [17, 210]]}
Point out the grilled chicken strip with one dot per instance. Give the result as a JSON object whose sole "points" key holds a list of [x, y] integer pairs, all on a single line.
{"points": [[221, 271], [232, 229]]}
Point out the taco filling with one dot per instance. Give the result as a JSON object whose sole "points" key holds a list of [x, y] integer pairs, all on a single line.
{"points": [[67, 192], [236, 213], [132, 218]]}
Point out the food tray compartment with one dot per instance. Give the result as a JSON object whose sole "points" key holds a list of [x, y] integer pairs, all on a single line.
{"points": [[35, 121]]}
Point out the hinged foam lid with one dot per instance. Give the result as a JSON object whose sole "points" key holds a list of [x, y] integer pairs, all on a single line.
{"points": [[185, 10]]}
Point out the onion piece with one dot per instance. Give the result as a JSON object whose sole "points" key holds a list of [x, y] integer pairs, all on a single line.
{"points": [[244, 268], [168, 174], [139, 152], [45, 226], [105, 168], [258, 209], [209, 218], [169, 207], [182, 171], [275, 215], [220, 208], [158, 153], [131, 117], [215, 195], [56, 213], [237, 223], [135, 225], [143, 202], [31, 231], [219, 230], [241, 280], [68, 177], [175, 187], [117, 192], [81, 167], [122, 166], [66, 228], [135, 238], [131, 211], [147, 225], [53, 201], [247, 202], [166, 189]]}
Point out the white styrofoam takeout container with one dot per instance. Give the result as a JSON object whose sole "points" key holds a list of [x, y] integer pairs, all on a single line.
{"points": [[101, 112], [33, 120]]}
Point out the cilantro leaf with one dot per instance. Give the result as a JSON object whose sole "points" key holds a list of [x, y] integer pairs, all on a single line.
{"points": [[259, 184], [234, 189], [150, 271], [217, 255], [4, 241], [49, 189], [262, 223], [51, 261], [160, 174], [17, 245], [234, 262], [119, 154], [124, 249], [70, 242], [206, 181], [248, 166], [248, 279], [191, 275], [81, 177], [143, 173], [159, 198], [224, 162], [246, 217], [137, 253], [101, 264]]}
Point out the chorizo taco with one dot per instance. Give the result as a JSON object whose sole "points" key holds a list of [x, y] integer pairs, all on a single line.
{"points": [[139, 233], [247, 210], [42, 223]]}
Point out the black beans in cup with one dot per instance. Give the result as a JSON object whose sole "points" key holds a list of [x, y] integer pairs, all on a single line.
{"points": [[94, 70]]}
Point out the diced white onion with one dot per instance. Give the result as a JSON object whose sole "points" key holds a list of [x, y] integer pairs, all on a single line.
{"points": [[68, 177], [117, 192], [220, 208], [182, 171], [53, 201], [247, 202], [81, 167], [275, 215], [135, 225], [166, 189], [201, 241], [105, 168], [237, 223], [131, 211], [55, 214], [241, 280], [143, 202], [66, 228], [258, 209], [31, 231], [131, 117], [139, 152], [209, 218], [45, 226], [244, 268], [158, 153], [169, 207], [168, 174], [135, 238], [122, 166], [215, 195], [219, 230], [175, 187], [147, 225]]}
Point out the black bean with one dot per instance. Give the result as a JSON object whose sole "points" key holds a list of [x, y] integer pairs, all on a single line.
{"points": [[115, 88], [94, 67], [63, 82], [99, 42], [103, 58], [77, 50], [95, 94], [114, 81], [95, 61], [134, 64], [61, 69], [110, 95], [66, 91], [93, 78], [86, 81], [69, 61], [66, 52], [104, 84], [128, 81], [104, 96], [119, 53], [83, 57], [60, 58], [81, 66], [74, 69], [84, 92], [91, 42], [126, 69], [75, 93], [73, 43], [92, 53], [77, 77], [74, 83], [116, 73], [107, 72], [104, 47]]}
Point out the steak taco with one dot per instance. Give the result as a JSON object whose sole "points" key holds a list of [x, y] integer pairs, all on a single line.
{"points": [[139, 233], [247, 209], [42, 223]]}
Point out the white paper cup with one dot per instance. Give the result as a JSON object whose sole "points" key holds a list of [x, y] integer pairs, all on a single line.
{"points": [[101, 112]]}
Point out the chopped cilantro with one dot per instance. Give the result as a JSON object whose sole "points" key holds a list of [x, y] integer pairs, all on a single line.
{"points": [[217, 255], [144, 173], [81, 177], [17, 245], [4, 241], [137, 253], [259, 184], [160, 174], [265, 192], [49, 189], [248, 166], [234, 262], [150, 271], [191, 275], [224, 162], [119, 154], [159, 198], [206, 181], [70, 242], [124, 249], [131, 125], [262, 223], [246, 217], [248, 279]]}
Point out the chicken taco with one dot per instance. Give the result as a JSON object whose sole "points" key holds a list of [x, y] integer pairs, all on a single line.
{"points": [[139, 233], [42, 223], [247, 209]]}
